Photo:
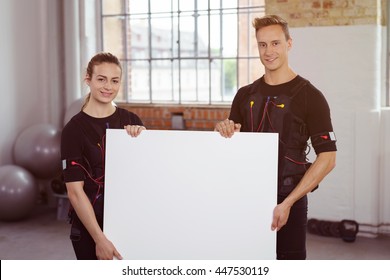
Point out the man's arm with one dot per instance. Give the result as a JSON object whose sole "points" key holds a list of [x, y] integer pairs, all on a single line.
{"points": [[324, 163]]}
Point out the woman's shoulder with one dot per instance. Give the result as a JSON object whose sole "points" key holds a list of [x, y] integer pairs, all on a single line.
{"points": [[124, 112], [71, 125], [128, 117]]}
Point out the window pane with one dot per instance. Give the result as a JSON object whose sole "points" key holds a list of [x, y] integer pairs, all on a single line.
{"points": [[229, 79], [202, 4], [112, 7], [216, 78], [158, 6], [203, 80], [162, 80], [137, 6], [113, 39], [229, 35], [215, 4], [138, 80], [229, 4], [162, 40], [186, 5], [138, 45], [187, 35], [203, 35], [224, 79], [245, 35], [188, 80], [215, 34], [251, 3], [176, 80]]}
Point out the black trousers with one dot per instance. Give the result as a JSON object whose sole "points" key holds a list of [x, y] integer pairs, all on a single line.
{"points": [[83, 244], [291, 239]]}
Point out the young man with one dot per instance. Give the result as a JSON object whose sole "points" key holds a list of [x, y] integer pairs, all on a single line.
{"points": [[283, 102]]}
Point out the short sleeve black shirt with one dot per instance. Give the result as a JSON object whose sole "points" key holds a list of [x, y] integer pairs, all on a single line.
{"points": [[83, 142], [310, 106]]}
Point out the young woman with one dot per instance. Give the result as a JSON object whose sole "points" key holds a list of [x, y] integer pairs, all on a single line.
{"points": [[83, 152]]}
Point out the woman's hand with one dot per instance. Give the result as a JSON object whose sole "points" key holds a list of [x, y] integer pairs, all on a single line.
{"points": [[134, 130], [105, 250]]}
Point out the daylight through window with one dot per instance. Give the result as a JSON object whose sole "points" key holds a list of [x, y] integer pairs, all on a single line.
{"points": [[182, 51]]}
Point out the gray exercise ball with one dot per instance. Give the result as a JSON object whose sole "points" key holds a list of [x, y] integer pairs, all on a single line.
{"points": [[73, 109], [18, 192], [38, 149]]}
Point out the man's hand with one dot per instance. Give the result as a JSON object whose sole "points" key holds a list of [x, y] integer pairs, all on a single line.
{"points": [[281, 213]]}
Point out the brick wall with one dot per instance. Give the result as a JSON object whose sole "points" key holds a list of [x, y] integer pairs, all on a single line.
{"points": [[194, 117], [328, 12]]}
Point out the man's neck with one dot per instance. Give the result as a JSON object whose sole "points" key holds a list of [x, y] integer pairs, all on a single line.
{"points": [[279, 76]]}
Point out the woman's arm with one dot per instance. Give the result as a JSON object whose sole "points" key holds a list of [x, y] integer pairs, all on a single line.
{"points": [[105, 250]]}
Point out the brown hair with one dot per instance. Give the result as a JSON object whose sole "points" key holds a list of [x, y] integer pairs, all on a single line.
{"points": [[102, 57], [268, 20]]}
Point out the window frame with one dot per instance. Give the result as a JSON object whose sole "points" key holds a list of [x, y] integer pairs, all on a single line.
{"points": [[238, 58]]}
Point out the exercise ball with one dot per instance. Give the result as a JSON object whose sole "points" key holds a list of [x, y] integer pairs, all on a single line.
{"points": [[73, 109], [18, 192], [37, 149]]}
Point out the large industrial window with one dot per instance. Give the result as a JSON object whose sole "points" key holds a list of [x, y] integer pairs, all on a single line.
{"points": [[182, 51]]}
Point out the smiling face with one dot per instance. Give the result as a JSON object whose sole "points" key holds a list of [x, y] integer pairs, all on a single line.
{"points": [[105, 82], [273, 48]]}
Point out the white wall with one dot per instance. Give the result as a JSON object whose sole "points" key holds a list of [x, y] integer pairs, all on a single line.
{"points": [[384, 193], [345, 63], [30, 67], [40, 73], [7, 79]]}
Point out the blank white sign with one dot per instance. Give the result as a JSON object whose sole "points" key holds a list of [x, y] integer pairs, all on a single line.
{"points": [[185, 195]]}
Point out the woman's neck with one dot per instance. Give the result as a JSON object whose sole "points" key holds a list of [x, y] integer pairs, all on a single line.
{"points": [[99, 110]]}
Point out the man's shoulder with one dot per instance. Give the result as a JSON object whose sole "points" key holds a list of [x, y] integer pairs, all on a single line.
{"points": [[250, 88], [303, 83]]}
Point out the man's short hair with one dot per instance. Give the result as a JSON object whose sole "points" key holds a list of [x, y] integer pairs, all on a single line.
{"points": [[268, 20]]}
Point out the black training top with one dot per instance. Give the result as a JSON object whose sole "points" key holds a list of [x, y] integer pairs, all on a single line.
{"points": [[308, 104], [83, 144]]}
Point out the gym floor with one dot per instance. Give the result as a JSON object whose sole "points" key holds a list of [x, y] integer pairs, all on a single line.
{"points": [[42, 236]]}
